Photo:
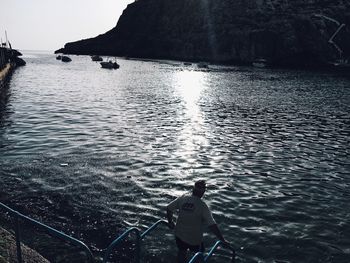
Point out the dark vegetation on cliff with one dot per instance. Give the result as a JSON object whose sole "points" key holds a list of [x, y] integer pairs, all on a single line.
{"points": [[285, 32]]}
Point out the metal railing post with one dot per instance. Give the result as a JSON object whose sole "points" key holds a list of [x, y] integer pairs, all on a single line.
{"points": [[51, 231], [200, 256], [18, 240], [215, 247], [138, 248], [138, 242], [119, 239], [151, 228]]}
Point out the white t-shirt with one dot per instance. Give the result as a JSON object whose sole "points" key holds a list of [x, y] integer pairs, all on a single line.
{"points": [[194, 216]]}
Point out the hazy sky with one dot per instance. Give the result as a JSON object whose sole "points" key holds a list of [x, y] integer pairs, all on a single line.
{"points": [[49, 24]]}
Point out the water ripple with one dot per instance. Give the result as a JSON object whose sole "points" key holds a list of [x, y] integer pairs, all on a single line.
{"points": [[94, 152]]}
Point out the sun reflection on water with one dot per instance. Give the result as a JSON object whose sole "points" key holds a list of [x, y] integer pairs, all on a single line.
{"points": [[190, 85]]}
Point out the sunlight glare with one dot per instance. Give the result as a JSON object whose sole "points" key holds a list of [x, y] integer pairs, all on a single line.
{"points": [[190, 84]]}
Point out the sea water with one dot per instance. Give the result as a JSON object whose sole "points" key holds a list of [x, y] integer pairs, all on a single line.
{"points": [[93, 151]]}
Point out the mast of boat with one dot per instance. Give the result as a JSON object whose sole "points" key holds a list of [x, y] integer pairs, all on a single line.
{"points": [[331, 39], [2, 44], [333, 43], [6, 38]]}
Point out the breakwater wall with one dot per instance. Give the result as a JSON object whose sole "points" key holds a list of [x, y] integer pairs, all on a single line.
{"points": [[4, 58], [5, 67], [9, 59]]}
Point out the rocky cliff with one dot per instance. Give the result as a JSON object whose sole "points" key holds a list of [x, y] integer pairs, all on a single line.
{"points": [[285, 32]]}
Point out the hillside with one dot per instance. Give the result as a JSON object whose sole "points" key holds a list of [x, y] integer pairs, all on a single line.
{"points": [[285, 32]]}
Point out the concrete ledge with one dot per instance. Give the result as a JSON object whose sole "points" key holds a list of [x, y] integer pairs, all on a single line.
{"points": [[8, 251], [4, 73]]}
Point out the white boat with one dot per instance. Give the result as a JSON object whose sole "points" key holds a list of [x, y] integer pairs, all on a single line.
{"points": [[260, 63], [340, 65]]}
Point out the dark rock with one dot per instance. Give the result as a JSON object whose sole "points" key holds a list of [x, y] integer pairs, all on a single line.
{"points": [[66, 59], [16, 53], [284, 32], [19, 62]]}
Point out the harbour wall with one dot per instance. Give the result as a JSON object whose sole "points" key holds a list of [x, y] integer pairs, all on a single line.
{"points": [[9, 60], [3, 57], [5, 66]]}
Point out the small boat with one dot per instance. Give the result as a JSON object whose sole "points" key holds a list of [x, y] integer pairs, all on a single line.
{"points": [[202, 65], [59, 57], [339, 65], [260, 63], [109, 64], [187, 63], [96, 58], [66, 59]]}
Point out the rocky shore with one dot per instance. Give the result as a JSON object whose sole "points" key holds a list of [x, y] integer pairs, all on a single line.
{"points": [[8, 250], [292, 33]]}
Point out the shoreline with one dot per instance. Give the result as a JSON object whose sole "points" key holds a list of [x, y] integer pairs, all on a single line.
{"points": [[8, 250], [331, 67]]}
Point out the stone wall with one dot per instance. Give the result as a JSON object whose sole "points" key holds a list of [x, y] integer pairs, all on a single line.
{"points": [[3, 57], [9, 59]]}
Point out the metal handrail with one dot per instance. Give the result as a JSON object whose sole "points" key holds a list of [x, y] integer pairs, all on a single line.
{"points": [[200, 255], [48, 229], [151, 228], [119, 239], [139, 238]]}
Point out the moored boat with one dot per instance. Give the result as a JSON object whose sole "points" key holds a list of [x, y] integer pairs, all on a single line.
{"points": [[339, 65], [109, 64], [66, 59], [260, 63], [202, 65], [96, 58]]}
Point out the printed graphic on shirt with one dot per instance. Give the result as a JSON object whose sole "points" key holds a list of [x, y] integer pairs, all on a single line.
{"points": [[189, 207]]}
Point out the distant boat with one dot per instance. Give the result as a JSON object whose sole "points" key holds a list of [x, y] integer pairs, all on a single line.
{"points": [[340, 65], [202, 65], [187, 63], [96, 58], [109, 64], [260, 63], [66, 59]]}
